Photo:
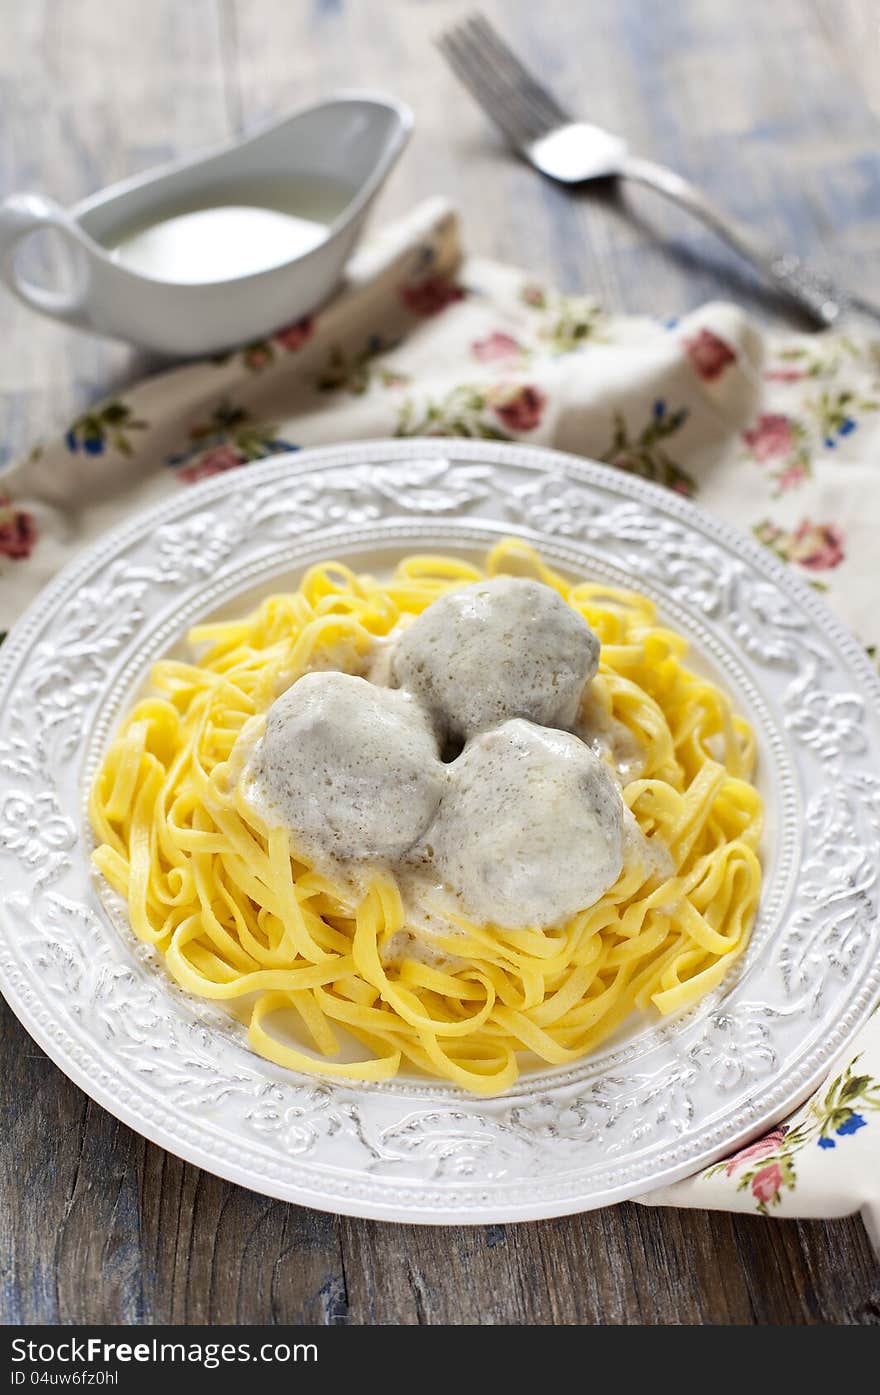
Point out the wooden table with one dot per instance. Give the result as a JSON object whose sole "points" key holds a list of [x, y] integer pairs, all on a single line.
{"points": [[768, 106]]}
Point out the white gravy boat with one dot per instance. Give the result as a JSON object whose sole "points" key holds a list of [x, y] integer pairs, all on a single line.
{"points": [[352, 140]]}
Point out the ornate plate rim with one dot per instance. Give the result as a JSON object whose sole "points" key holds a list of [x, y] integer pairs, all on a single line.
{"points": [[338, 1197]]}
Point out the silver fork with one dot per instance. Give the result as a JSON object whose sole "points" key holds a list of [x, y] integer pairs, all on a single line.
{"points": [[575, 151]]}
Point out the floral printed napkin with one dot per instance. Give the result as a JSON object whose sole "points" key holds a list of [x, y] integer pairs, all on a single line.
{"points": [[777, 433]]}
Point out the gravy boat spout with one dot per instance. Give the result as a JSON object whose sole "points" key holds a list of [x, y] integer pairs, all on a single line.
{"points": [[346, 144]]}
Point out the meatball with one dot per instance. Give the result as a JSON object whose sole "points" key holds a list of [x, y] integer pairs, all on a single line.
{"points": [[530, 828], [350, 769], [497, 649]]}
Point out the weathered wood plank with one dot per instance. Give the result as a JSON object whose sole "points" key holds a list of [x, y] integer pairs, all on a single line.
{"points": [[91, 93], [754, 101], [105, 1227], [621, 1265], [88, 93]]}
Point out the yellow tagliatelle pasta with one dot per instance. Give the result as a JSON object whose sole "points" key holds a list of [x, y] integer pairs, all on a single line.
{"points": [[239, 918]]}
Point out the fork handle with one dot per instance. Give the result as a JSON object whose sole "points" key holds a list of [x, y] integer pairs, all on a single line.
{"points": [[813, 292]]}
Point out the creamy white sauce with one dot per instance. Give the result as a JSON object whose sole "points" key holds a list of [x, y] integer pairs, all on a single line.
{"points": [[497, 649], [526, 827], [346, 655], [529, 829], [651, 854], [350, 769], [610, 738], [378, 667], [247, 228], [416, 943]]}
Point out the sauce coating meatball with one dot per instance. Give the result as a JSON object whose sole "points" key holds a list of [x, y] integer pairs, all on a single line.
{"points": [[530, 828], [350, 769], [494, 650]]}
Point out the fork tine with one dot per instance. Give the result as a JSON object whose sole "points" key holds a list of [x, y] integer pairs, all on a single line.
{"points": [[502, 101], [517, 122], [489, 88], [487, 39], [499, 82], [489, 93], [499, 97]]}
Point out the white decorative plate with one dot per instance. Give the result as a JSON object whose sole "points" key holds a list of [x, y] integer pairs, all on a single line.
{"points": [[661, 1100]]}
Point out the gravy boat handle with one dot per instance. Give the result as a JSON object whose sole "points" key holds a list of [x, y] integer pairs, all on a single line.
{"points": [[20, 216]]}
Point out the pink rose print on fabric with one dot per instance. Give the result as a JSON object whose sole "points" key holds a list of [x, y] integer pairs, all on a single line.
{"points": [[495, 347], [431, 295], [817, 546], [709, 354], [767, 1184], [792, 476], [761, 1148], [521, 409], [771, 437], [292, 337], [534, 295], [18, 531], [213, 462], [784, 375]]}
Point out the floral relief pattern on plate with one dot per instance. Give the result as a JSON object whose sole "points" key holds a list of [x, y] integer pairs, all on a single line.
{"points": [[665, 1099]]}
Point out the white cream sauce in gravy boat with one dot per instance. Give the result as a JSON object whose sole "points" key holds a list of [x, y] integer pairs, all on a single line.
{"points": [[220, 249]]}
